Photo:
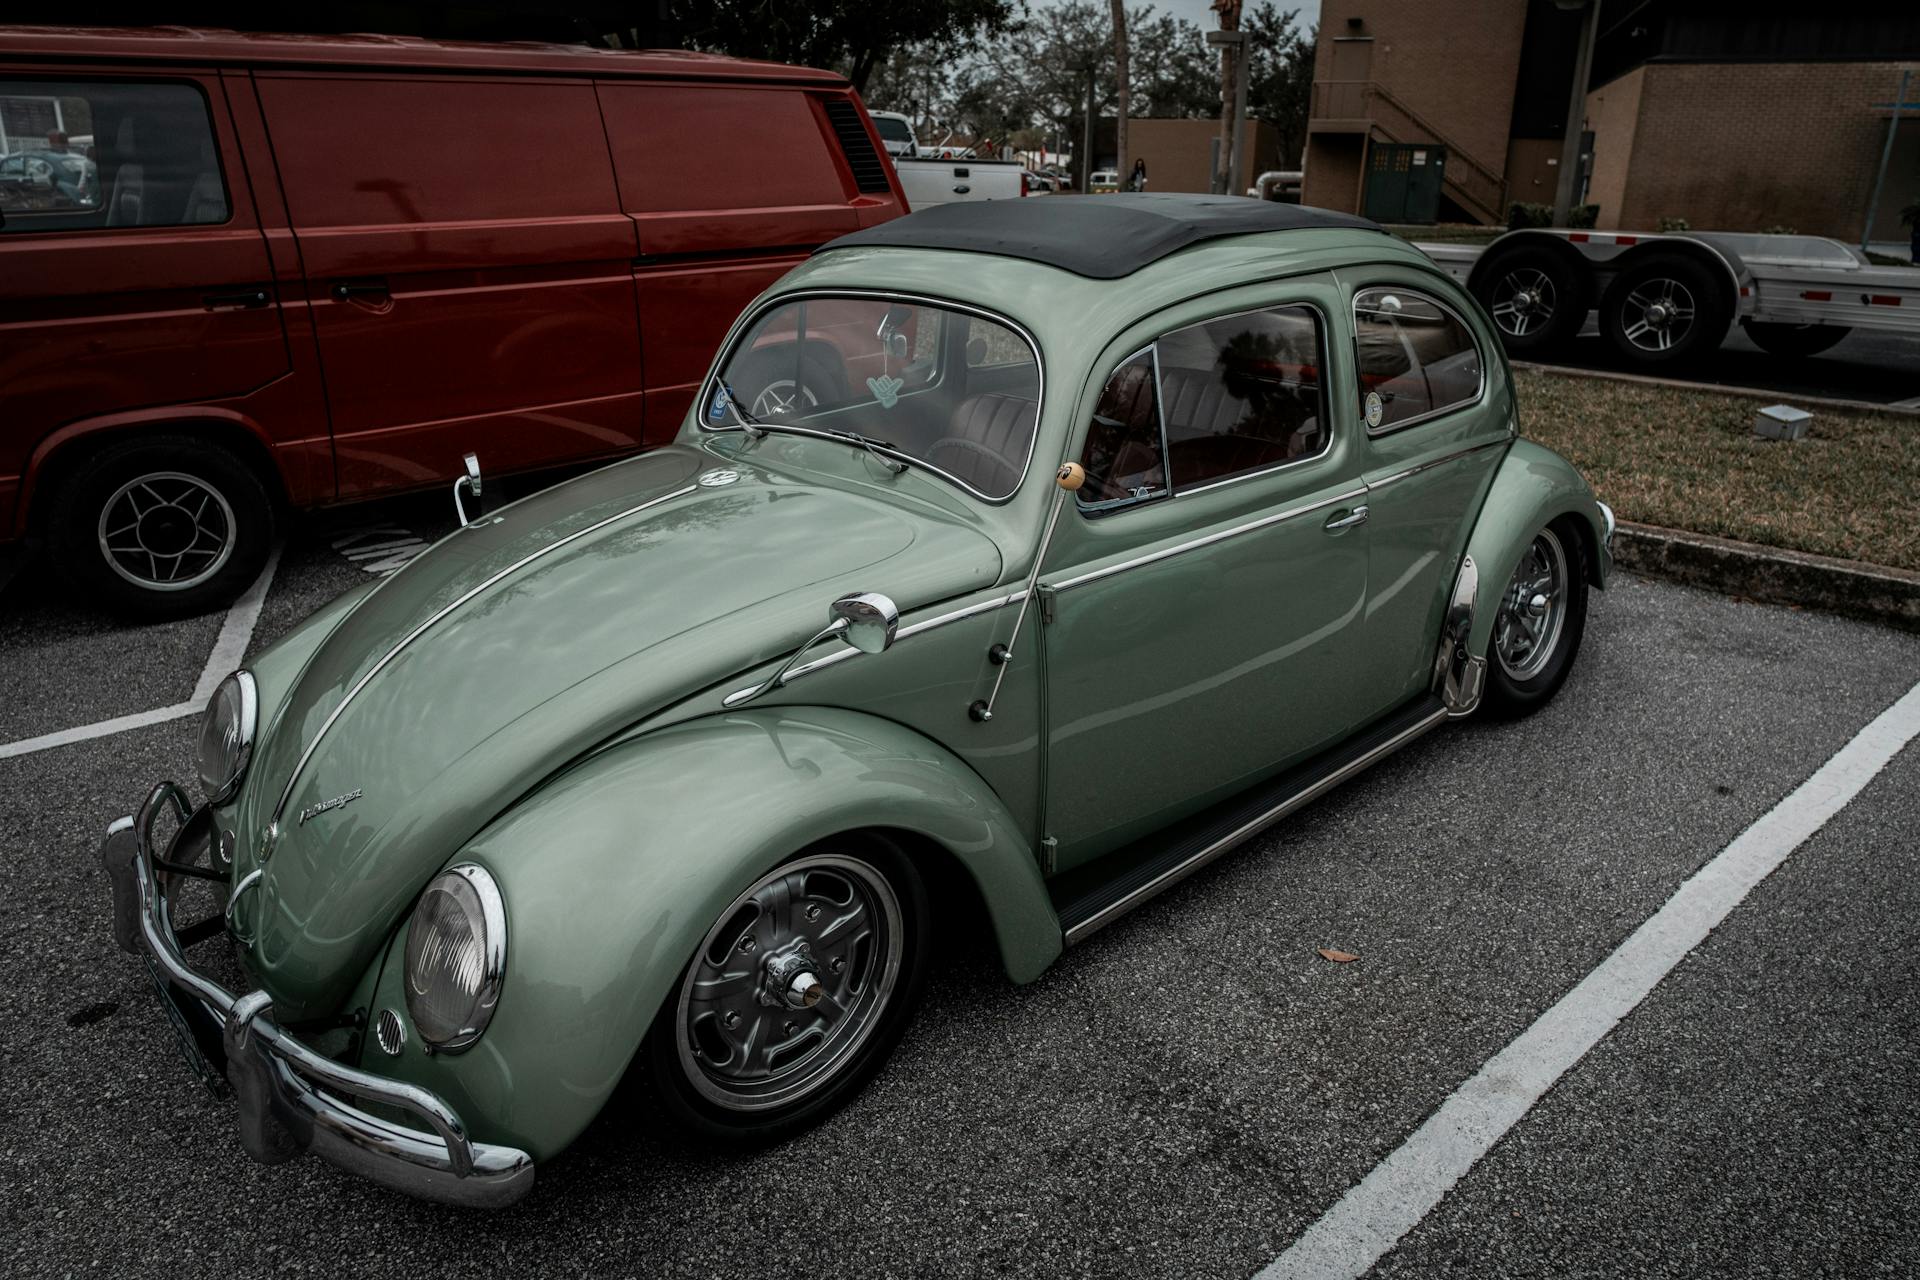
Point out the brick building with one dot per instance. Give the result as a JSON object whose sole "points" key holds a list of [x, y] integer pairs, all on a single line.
{"points": [[1736, 117]]}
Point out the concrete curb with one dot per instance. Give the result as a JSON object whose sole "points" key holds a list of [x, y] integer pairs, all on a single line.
{"points": [[1715, 388], [1870, 591]]}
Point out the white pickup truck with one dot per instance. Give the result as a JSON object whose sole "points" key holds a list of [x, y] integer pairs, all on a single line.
{"points": [[929, 179]]}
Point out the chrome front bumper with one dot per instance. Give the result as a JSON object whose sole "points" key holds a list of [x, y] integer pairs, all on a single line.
{"points": [[285, 1090]]}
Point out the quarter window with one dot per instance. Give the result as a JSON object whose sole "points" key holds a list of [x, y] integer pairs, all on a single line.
{"points": [[1416, 358], [1125, 457], [107, 154]]}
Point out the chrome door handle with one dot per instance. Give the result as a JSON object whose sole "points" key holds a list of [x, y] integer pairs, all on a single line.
{"points": [[1337, 522]]}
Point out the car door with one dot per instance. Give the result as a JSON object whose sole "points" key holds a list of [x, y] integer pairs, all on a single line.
{"points": [[1437, 414], [468, 269], [1204, 594]]}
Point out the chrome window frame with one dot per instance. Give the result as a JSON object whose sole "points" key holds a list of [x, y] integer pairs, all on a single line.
{"points": [[1323, 333], [1480, 353], [745, 325]]}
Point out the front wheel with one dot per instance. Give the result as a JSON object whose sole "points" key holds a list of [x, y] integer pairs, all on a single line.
{"points": [[1536, 631], [796, 995]]}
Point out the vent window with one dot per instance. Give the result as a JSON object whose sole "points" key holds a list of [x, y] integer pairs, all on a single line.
{"points": [[869, 170]]}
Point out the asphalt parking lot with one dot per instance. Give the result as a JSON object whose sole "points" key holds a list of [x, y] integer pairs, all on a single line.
{"points": [[1185, 1094]]}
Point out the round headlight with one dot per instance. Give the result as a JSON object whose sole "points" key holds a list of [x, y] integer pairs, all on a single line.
{"points": [[226, 736], [456, 957]]}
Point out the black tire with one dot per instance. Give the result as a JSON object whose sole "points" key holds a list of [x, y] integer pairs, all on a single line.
{"points": [[767, 385], [1536, 299], [1794, 341], [190, 526], [672, 1063], [1519, 688], [1666, 310]]}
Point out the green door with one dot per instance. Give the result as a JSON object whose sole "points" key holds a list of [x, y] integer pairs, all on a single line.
{"points": [[1206, 596], [1404, 180]]}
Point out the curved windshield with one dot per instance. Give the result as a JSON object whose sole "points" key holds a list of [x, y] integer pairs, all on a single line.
{"points": [[916, 383]]}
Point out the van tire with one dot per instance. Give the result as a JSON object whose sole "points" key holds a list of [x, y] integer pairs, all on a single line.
{"points": [[1666, 311], [1536, 298], [161, 526]]}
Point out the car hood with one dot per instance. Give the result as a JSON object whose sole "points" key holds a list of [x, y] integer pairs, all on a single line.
{"points": [[519, 643]]}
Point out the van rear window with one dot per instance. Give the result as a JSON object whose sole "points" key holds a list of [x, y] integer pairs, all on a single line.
{"points": [[76, 154]]}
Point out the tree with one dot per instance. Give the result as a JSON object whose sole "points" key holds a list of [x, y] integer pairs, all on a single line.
{"points": [[851, 36], [1122, 91], [1228, 12], [1280, 87]]}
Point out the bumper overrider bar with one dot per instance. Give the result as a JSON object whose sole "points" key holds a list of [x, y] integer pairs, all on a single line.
{"points": [[286, 1091]]}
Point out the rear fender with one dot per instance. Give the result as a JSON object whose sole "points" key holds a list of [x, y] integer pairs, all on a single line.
{"points": [[1534, 487], [614, 872]]}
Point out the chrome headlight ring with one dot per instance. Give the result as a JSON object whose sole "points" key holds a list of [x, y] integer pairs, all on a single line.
{"points": [[456, 957], [227, 736]]}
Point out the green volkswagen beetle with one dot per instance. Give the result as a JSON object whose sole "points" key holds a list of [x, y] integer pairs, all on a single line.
{"points": [[1015, 560]]}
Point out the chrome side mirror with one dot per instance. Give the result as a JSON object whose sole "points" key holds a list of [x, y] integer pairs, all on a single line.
{"points": [[866, 620], [472, 481]]}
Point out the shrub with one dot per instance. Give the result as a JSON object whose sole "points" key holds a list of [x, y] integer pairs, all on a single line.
{"points": [[1528, 213], [1675, 224]]}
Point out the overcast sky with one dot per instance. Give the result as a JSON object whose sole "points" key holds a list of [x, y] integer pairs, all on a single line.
{"points": [[1200, 12]]}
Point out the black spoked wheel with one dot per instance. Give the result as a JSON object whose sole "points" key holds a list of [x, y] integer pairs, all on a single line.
{"points": [[161, 527], [1665, 311], [1542, 613], [1537, 299], [796, 996]]}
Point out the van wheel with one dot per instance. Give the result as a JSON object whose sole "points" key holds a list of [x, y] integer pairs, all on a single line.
{"points": [[1666, 311], [161, 527], [1537, 300]]}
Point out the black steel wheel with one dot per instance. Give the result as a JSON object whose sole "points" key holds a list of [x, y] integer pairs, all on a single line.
{"points": [[1666, 310], [1541, 615], [161, 526], [796, 995], [1537, 299], [1794, 341]]}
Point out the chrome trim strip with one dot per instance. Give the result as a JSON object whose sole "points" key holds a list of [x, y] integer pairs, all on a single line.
{"points": [[946, 304], [1437, 462], [1094, 575], [286, 794], [1174, 875]]}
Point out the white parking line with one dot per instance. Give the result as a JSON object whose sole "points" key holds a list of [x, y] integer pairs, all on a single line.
{"points": [[1391, 1200], [229, 647], [390, 548]]}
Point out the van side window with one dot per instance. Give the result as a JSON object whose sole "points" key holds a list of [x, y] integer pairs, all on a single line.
{"points": [[1242, 394], [1415, 357], [1125, 455], [81, 154]]}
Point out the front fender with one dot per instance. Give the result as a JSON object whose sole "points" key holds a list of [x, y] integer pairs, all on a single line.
{"points": [[1534, 487], [613, 873]]}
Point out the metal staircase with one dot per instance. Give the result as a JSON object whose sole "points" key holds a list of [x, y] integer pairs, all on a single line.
{"points": [[1468, 181]]}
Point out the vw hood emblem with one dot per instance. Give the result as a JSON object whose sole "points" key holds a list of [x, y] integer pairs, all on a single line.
{"points": [[715, 479]]}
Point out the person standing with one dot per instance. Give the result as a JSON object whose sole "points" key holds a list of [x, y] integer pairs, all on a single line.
{"points": [[1137, 180]]}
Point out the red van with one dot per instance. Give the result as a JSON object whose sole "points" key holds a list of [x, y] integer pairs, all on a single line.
{"points": [[242, 273]]}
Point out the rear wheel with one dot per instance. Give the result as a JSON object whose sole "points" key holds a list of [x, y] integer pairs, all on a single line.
{"points": [[1665, 311], [1537, 299], [161, 526], [1541, 616], [1794, 340], [796, 995]]}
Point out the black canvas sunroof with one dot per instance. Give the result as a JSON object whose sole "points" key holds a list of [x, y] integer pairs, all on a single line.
{"points": [[1102, 237]]}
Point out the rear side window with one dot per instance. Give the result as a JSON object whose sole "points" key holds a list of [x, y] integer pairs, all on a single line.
{"points": [[1416, 358], [79, 154]]}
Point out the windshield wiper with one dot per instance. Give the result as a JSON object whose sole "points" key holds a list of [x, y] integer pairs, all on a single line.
{"points": [[873, 447]]}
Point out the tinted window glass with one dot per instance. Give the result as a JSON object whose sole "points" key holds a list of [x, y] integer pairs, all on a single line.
{"points": [[1123, 457], [1242, 394], [86, 154], [1415, 357]]}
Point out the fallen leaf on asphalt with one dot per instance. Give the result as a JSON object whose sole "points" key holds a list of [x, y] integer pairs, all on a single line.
{"points": [[1338, 957]]}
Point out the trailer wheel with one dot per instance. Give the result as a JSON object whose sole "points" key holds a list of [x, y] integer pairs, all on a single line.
{"points": [[1665, 310], [1794, 340], [1537, 299]]}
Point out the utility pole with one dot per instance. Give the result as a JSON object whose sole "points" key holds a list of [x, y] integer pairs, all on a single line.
{"points": [[1886, 154], [1567, 189], [1233, 109], [1085, 164]]}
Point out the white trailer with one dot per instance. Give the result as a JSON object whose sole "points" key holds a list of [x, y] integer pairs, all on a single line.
{"points": [[1667, 297]]}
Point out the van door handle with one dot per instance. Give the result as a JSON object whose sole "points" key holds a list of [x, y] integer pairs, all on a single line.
{"points": [[371, 290], [250, 299], [1337, 522]]}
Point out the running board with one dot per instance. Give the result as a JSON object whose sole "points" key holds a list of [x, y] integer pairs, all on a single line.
{"points": [[1156, 865]]}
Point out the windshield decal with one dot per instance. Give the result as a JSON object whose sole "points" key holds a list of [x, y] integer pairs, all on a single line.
{"points": [[718, 411], [886, 390]]}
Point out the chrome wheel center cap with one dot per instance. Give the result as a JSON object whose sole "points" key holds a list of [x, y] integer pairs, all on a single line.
{"points": [[1658, 314], [1537, 606], [788, 979]]}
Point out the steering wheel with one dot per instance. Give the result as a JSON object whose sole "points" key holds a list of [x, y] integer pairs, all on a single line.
{"points": [[973, 449]]}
